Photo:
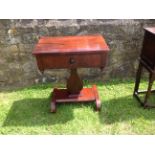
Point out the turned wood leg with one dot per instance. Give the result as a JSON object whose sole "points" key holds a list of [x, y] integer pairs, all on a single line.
{"points": [[151, 79], [74, 83], [98, 105], [138, 76], [97, 100]]}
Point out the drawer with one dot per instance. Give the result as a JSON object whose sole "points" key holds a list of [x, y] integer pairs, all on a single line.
{"points": [[46, 61]]}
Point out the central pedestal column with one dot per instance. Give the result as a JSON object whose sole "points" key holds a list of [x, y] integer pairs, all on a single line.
{"points": [[74, 82], [75, 92]]}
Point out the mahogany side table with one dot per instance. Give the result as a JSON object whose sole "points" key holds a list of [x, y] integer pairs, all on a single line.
{"points": [[72, 52], [147, 61]]}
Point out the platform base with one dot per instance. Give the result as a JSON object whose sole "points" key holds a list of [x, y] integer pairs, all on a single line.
{"points": [[85, 95]]}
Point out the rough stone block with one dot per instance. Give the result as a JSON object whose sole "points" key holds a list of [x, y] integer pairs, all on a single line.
{"points": [[18, 38]]}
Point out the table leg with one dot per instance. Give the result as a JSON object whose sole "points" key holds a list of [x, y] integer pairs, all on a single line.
{"points": [[136, 93], [53, 102], [138, 76], [53, 106], [151, 79], [97, 100]]}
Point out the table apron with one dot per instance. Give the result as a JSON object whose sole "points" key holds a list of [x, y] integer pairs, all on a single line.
{"points": [[48, 61]]}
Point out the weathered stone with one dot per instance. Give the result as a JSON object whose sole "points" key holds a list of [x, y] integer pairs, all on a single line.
{"points": [[12, 32], [43, 31], [2, 77], [13, 48], [56, 74], [29, 38], [28, 67], [5, 23], [9, 53], [2, 32], [18, 38], [26, 49]]}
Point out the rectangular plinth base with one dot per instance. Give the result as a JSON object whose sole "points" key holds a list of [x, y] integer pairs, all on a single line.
{"points": [[85, 95]]}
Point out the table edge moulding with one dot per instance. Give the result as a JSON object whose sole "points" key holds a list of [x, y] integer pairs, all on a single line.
{"points": [[72, 52]]}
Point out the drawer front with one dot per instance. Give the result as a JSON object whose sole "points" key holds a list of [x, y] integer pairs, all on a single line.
{"points": [[71, 61]]}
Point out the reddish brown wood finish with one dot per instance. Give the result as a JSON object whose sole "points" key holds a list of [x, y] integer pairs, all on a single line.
{"points": [[150, 30], [85, 95], [148, 50], [71, 61], [147, 61], [72, 52], [72, 87], [71, 44]]}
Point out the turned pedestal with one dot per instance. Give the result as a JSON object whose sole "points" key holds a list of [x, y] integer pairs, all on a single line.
{"points": [[75, 93]]}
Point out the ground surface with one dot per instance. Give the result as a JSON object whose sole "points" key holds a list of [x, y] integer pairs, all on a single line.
{"points": [[26, 111]]}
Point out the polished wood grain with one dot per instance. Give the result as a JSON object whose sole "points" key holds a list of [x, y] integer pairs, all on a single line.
{"points": [[71, 61], [72, 52], [73, 44], [85, 95], [71, 86], [150, 30]]}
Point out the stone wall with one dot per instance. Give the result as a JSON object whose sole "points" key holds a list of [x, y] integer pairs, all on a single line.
{"points": [[18, 37]]}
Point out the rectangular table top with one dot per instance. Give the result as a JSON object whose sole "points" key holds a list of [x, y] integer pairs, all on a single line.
{"points": [[70, 44], [150, 29]]}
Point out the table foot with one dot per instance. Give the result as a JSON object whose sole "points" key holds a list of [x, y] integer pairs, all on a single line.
{"points": [[97, 100], [98, 105], [53, 106], [53, 102], [85, 95]]}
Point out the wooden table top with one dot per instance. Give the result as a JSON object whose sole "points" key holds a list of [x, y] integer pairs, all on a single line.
{"points": [[68, 44], [150, 29]]}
